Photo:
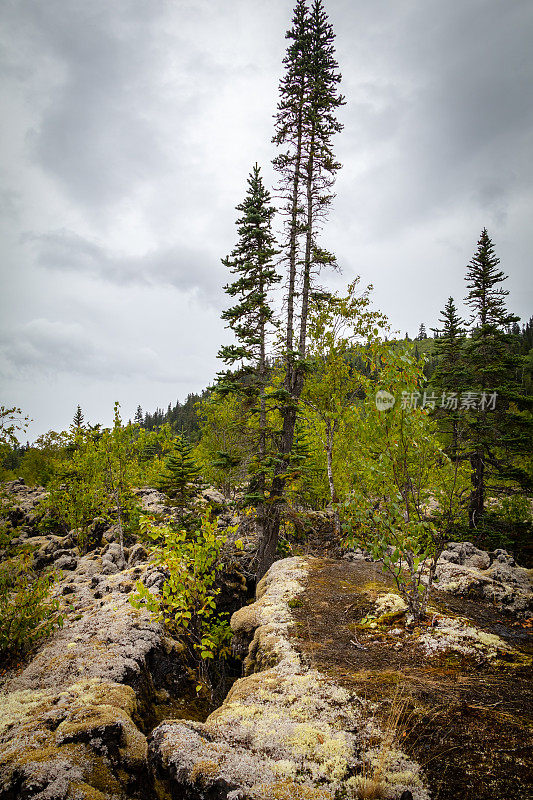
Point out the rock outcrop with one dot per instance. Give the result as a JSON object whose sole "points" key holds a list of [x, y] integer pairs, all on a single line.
{"points": [[495, 577], [74, 721], [285, 730]]}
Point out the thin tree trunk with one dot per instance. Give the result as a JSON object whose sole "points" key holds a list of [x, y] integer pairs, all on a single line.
{"points": [[269, 524], [293, 240], [308, 249], [269, 539], [330, 432], [477, 496]]}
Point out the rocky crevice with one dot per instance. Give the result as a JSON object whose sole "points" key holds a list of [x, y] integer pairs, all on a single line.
{"points": [[104, 710], [285, 730]]}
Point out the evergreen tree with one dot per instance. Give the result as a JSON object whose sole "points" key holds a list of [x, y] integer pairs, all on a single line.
{"points": [[449, 344], [304, 130], [183, 417], [497, 429], [138, 419], [527, 336], [449, 377], [422, 332], [486, 298], [77, 422], [179, 479], [251, 318], [251, 260]]}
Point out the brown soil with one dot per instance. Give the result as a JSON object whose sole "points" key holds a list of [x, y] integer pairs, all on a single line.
{"points": [[467, 723]]}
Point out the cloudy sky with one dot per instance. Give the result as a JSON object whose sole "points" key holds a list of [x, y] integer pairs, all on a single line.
{"points": [[129, 128]]}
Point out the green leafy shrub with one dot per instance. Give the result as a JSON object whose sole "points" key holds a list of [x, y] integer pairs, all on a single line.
{"points": [[187, 602], [95, 479], [27, 610], [408, 497]]}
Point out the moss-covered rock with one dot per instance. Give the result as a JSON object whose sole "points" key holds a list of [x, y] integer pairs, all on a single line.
{"points": [[70, 743]]}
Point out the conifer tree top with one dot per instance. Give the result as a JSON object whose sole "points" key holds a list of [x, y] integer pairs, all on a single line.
{"points": [[251, 261], [482, 279]]}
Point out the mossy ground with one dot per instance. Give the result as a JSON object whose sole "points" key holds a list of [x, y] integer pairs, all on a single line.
{"points": [[468, 723]]}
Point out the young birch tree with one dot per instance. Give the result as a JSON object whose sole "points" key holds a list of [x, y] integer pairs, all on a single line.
{"points": [[337, 325], [409, 496]]}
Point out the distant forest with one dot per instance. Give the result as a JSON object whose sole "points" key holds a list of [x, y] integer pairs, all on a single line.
{"points": [[184, 418]]}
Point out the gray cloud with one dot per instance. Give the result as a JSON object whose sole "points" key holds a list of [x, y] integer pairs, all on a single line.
{"points": [[182, 267], [45, 348]]}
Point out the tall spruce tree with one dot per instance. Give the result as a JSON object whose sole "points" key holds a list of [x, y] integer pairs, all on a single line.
{"points": [[449, 376], [304, 129], [498, 430], [252, 318]]}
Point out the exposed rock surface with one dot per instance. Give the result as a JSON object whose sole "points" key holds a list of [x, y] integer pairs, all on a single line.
{"points": [[74, 720], [285, 730], [465, 570]]}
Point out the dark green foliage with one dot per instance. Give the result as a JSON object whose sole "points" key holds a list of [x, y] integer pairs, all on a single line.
{"points": [[422, 332], [251, 318], [450, 375], [251, 261], [138, 419], [449, 345], [183, 417], [77, 422], [486, 297], [490, 351], [179, 479], [497, 436]]}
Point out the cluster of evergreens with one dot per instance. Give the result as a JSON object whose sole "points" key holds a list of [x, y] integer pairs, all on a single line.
{"points": [[182, 417]]}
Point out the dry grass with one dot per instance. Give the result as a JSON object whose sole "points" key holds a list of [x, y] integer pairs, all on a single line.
{"points": [[371, 784]]}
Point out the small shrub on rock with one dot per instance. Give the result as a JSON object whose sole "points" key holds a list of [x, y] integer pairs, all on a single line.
{"points": [[27, 610], [186, 602]]}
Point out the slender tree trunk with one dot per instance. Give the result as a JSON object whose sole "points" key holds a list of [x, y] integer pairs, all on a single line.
{"points": [[293, 240], [330, 433], [269, 540], [269, 525], [261, 511], [308, 249], [262, 401], [477, 496]]}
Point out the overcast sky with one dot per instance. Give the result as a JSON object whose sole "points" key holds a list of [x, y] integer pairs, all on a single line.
{"points": [[129, 128]]}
